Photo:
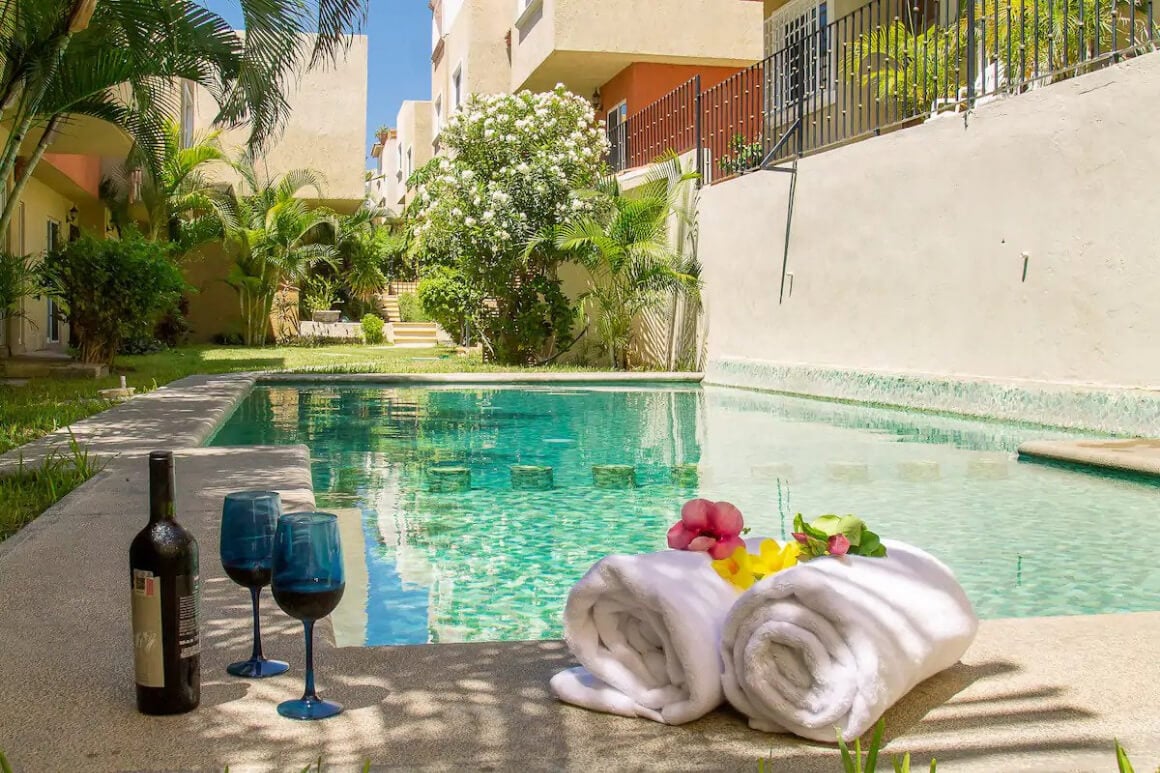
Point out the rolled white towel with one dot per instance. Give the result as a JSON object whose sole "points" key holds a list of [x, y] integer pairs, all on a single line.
{"points": [[646, 630], [827, 646]]}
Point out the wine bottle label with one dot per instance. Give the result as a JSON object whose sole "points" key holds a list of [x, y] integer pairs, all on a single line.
{"points": [[148, 652], [188, 618]]}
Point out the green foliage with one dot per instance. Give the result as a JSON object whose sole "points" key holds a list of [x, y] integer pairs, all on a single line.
{"points": [[117, 61], [26, 493], [624, 243], [368, 254], [181, 203], [318, 294], [411, 309], [275, 239], [854, 762], [513, 166], [18, 278], [742, 156], [819, 532], [1122, 762], [449, 299], [373, 327], [110, 290]]}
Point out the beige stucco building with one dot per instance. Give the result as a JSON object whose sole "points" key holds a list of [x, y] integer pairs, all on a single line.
{"points": [[415, 125], [61, 197], [326, 131]]}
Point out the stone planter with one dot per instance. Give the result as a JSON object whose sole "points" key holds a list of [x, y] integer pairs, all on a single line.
{"points": [[326, 317]]}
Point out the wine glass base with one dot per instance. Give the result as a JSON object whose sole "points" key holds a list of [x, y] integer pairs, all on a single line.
{"points": [[257, 669], [309, 708]]}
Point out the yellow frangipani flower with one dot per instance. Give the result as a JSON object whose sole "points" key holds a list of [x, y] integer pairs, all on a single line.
{"points": [[742, 569], [736, 569], [773, 557]]}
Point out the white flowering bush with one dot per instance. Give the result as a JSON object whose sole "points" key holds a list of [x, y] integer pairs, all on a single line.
{"points": [[513, 168]]}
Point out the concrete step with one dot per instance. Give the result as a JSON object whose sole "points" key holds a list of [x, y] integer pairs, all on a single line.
{"points": [[43, 367], [416, 327]]}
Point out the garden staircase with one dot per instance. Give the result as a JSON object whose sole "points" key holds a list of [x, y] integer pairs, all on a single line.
{"points": [[389, 304], [416, 334]]}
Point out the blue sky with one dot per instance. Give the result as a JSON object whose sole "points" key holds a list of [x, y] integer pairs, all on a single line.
{"points": [[399, 35]]}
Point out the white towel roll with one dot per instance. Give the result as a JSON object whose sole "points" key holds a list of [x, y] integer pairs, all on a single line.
{"points": [[827, 646], [646, 630]]}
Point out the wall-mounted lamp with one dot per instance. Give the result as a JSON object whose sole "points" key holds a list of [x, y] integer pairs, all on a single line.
{"points": [[73, 214], [596, 99]]}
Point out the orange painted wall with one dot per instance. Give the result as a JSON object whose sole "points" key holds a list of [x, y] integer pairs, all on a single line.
{"points": [[642, 83], [85, 171]]}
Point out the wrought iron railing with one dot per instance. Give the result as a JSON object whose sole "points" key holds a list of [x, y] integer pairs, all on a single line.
{"points": [[887, 64]]}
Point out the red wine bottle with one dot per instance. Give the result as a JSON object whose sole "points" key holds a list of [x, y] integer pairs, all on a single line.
{"points": [[164, 574]]}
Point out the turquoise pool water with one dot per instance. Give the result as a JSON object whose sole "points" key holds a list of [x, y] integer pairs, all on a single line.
{"points": [[496, 564]]}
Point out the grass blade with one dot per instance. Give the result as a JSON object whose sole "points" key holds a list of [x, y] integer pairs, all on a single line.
{"points": [[847, 761], [4, 766], [1122, 760], [875, 745]]}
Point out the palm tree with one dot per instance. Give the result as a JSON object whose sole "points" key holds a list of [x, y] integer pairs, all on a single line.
{"points": [[625, 246], [116, 61], [275, 238], [367, 252], [180, 191]]}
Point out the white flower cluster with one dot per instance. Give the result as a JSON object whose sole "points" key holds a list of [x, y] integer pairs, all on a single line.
{"points": [[515, 162]]}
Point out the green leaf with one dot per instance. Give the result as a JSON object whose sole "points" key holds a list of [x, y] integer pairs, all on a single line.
{"points": [[932, 765], [1122, 759], [847, 760], [869, 544], [829, 525], [858, 755], [875, 745], [6, 768], [902, 765]]}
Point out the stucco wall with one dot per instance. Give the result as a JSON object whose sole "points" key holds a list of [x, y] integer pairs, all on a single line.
{"points": [[415, 123], [326, 129], [906, 250], [595, 35], [29, 236]]}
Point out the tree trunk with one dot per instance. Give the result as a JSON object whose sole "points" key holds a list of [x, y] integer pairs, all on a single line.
{"points": [[21, 182]]}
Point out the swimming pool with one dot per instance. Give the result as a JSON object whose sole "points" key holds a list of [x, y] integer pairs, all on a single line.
{"points": [[495, 564]]}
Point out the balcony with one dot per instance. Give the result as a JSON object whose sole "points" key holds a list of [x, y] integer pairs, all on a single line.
{"points": [[584, 43]]}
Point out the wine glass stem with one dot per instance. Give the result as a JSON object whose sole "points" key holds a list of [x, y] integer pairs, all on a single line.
{"points": [[310, 693], [257, 653]]}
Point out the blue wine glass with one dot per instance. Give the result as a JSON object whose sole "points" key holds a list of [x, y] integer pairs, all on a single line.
{"points": [[308, 583], [249, 519]]}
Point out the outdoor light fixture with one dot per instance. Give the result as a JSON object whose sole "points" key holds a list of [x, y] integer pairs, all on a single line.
{"points": [[72, 216]]}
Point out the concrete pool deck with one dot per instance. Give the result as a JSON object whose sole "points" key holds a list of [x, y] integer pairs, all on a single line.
{"points": [[1136, 455], [1039, 694]]}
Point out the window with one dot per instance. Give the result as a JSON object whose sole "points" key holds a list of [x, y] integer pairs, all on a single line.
{"points": [[188, 114], [52, 330], [438, 114], [796, 35], [618, 137], [399, 162], [457, 89], [410, 163]]}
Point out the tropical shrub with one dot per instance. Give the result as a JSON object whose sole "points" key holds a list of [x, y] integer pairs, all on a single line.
{"points": [[514, 165], [449, 299], [318, 294], [17, 279], [624, 243], [742, 156], [112, 290], [373, 327], [274, 238], [411, 309]]}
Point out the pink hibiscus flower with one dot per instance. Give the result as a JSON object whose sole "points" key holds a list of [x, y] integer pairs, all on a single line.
{"points": [[708, 527]]}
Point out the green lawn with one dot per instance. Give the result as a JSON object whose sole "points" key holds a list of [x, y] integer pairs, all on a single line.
{"points": [[44, 405]]}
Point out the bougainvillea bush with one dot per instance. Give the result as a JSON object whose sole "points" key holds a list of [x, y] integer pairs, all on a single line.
{"points": [[514, 166]]}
